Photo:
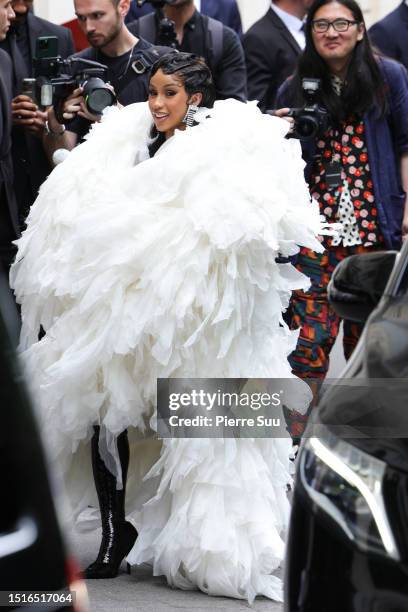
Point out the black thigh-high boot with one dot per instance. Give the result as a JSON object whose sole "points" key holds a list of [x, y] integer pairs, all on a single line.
{"points": [[118, 535]]}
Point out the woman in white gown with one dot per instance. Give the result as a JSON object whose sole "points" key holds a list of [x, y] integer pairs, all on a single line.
{"points": [[151, 253]]}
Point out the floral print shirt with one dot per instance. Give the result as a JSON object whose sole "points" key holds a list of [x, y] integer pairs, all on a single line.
{"points": [[352, 202]]}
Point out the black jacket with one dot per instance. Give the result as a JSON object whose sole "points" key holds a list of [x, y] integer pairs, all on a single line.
{"points": [[271, 55], [228, 69], [390, 34], [31, 166], [8, 206]]}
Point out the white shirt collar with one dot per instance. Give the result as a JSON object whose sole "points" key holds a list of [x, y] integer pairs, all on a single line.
{"points": [[291, 21]]}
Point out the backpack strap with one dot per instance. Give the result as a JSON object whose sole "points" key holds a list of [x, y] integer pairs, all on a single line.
{"points": [[141, 63], [143, 60], [146, 27]]}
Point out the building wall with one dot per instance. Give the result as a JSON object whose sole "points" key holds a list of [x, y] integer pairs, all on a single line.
{"points": [[61, 11], [376, 9], [57, 11]]}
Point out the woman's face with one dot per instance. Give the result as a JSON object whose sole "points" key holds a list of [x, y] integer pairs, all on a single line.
{"points": [[168, 102], [332, 46]]}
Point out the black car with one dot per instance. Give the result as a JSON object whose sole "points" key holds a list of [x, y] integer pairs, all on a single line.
{"points": [[35, 570], [347, 548]]}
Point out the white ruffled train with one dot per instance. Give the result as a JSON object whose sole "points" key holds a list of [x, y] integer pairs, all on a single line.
{"points": [[139, 269], [217, 518]]}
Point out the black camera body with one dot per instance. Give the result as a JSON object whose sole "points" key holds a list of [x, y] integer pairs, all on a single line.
{"points": [[311, 118], [167, 29], [56, 79]]}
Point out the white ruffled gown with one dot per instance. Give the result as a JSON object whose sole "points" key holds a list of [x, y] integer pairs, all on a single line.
{"points": [[142, 268]]}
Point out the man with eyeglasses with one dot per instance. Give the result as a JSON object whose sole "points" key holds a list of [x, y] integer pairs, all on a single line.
{"points": [[272, 47], [390, 34], [357, 169]]}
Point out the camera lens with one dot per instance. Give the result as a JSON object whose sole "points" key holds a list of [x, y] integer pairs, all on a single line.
{"points": [[98, 100], [97, 96], [307, 127]]}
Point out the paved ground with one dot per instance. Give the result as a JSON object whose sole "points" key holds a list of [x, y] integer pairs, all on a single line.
{"points": [[141, 592]]}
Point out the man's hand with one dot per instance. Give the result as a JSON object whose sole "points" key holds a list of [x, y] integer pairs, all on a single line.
{"points": [[75, 105], [282, 113], [26, 114]]}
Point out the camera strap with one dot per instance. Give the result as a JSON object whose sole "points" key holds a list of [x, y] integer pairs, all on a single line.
{"points": [[333, 174], [333, 168]]}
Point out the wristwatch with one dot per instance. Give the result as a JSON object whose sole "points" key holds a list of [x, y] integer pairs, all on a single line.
{"points": [[50, 132]]}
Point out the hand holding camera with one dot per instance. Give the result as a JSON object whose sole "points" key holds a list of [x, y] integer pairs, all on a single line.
{"points": [[311, 118], [75, 104], [73, 86], [283, 113], [26, 114]]}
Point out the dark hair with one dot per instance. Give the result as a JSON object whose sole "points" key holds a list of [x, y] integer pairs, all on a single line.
{"points": [[192, 71], [364, 85], [196, 77]]}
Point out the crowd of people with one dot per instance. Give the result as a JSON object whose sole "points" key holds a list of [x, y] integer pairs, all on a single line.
{"points": [[184, 236]]}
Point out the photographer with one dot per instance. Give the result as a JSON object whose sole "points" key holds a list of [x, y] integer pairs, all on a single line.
{"points": [[204, 36], [357, 165], [31, 166], [9, 227], [127, 58], [226, 11]]}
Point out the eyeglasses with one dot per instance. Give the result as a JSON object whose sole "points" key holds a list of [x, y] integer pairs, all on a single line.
{"points": [[340, 25]]}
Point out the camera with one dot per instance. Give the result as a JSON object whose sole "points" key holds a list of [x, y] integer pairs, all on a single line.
{"points": [[56, 79], [311, 118], [167, 29]]}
